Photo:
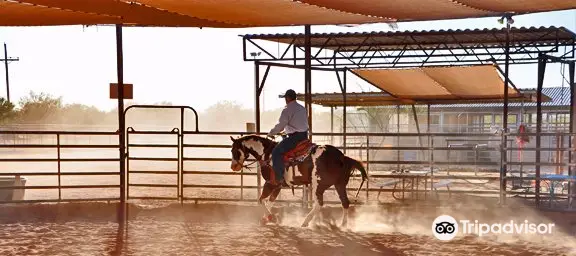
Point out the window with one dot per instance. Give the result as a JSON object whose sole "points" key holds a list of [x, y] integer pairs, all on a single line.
{"points": [[527, 119], [512, 119], [434, 119], [487, 120]]}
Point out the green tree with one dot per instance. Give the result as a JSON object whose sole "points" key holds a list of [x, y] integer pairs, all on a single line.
{"points": [[81, 114], [226, 116], [40, 107], [6, 110]]}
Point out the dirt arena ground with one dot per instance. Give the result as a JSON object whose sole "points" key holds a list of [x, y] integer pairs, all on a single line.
{"points": [[225, 229], [157, 228]]}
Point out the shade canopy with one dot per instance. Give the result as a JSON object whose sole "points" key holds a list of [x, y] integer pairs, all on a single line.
{"points": [[256, 13], [433, 83]]}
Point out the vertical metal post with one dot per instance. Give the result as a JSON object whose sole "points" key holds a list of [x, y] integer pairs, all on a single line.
{"points": [[428, 119], [308, 76], [294, 53], [344, 110], [504, 156], [7, 73], [257, 117], [331, 125], [571, 157], [181, 155], [398, 137], [541, 70], [59, 167], [368, 166], [430, 150], [121, 117], [257, 95], [418, 130], [128, 164]]}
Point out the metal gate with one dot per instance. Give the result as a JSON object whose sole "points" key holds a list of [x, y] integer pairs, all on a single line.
{"points": [[142, 168], [148, 172]]}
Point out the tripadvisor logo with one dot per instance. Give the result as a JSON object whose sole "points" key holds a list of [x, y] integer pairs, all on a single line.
{"points": [[445, 228]]}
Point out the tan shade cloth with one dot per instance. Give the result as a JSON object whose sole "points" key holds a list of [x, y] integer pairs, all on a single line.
{"points": [[520, 6], [130, 13], [468, 82], [17, 14], [404, 9], [476, 81], [260, 12], [404, 83]]}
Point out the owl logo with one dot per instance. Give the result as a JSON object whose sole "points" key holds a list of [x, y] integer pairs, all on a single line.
{"points": [[445, 227]]}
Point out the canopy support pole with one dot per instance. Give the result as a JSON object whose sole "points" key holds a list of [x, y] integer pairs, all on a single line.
{"points": [[418, 129], [308, 76], [504, 167], [121, 123], [541, 70], [571, 169], [332, 125]]}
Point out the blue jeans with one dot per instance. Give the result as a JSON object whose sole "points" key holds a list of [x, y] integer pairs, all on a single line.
{"points": [[284, 146]]}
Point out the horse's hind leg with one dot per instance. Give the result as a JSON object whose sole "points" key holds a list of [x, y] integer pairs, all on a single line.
{"points": [[318, 194], [343, 195]]}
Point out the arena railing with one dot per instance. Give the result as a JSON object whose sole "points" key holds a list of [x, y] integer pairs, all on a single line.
{"points": [[432, 144], [57, 158]]}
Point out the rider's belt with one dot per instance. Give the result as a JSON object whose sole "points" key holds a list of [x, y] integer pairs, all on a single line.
{"points": [[294, 133]]}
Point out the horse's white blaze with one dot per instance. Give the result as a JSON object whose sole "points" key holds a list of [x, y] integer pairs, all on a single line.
{"points": [[316, 208], [242, 157]]}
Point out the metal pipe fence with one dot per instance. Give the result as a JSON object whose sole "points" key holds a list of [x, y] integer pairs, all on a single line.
{"points": [[55, 142], [194, 166]]}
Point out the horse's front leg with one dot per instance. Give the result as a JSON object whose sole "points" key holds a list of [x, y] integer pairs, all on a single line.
{"points": [[271, 192], [274, 195]]}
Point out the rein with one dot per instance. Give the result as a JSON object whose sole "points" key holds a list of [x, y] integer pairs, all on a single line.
{"points": [[246, 166], [257, 160]]}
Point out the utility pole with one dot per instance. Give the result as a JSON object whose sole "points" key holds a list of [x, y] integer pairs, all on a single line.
{"points": [[6, 61]]}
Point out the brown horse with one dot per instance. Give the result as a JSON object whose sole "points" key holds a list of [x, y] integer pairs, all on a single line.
{"points": [[321, 166]]}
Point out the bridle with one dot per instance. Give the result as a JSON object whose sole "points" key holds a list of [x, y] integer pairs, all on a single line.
{"points": [[258, 159]]}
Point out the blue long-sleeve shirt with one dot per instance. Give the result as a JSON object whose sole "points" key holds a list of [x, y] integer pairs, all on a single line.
{"points": [[292, 119]]}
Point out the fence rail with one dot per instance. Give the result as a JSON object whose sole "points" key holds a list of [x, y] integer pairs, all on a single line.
{"points": [[56, 157], [385, 160]]}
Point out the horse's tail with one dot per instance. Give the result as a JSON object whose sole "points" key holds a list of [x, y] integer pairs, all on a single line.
{"points": [[353, 164]]}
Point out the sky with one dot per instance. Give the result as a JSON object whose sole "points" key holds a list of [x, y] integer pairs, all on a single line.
{"points": [[192, 66]]}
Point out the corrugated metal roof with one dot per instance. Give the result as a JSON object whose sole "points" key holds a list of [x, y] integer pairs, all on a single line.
{"points": [[560, 97], [440, 39]]}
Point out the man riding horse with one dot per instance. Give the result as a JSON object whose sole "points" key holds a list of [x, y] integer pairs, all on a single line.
{"points": [[320, 166], [294, 121]]}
